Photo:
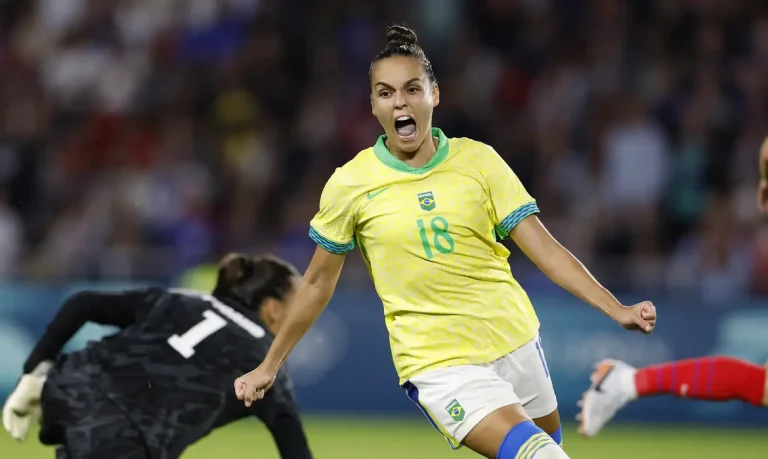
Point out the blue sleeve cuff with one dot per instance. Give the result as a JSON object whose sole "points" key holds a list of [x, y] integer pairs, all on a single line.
{"points": [[513, 219], [327, 244]]}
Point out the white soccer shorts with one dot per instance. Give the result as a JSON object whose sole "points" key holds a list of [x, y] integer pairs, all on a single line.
{"points": [[456, 399]]}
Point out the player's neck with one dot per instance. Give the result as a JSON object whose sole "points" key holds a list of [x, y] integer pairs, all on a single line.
{"points": [[420, 156]]}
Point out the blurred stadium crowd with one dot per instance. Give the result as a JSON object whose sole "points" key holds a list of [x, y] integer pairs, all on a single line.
{"points": [[139, 138]]}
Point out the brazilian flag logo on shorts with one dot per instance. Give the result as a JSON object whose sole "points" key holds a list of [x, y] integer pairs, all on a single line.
{"points": [[426, 200], [455, 410]]}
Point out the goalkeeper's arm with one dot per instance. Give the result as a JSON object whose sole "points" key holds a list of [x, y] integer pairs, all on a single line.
{"points": [[106, 308], [118, 309]]}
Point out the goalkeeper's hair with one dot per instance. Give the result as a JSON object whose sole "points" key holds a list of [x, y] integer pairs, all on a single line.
{"points": [[251, 280]]}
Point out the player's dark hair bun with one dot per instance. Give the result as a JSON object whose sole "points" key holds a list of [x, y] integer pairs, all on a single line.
{"points": [[253, 279], [401, 41], [398, 35], [233, 268]]}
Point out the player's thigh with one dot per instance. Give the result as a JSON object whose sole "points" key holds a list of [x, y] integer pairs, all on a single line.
{"points": [[72, 392], [549, 423], [488, 435], [527, 371], [104, 431], [457, 399], [110, 436], [74, 452]]}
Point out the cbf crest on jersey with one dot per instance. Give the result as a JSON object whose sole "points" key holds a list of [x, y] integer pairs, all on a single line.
{"points": [[426, 200]]}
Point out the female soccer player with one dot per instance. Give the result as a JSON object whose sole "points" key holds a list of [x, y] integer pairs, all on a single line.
{"points": [[157, 385], [426, 212]]}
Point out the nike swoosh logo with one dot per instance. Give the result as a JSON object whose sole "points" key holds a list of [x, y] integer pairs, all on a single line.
{"points": [[599, 386], [376, 193]]}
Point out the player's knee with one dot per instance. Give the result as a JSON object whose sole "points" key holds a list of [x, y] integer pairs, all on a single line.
{"points": [[526, 440], [551, 425]]}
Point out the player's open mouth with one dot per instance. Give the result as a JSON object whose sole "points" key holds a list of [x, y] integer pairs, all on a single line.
{"points": [[405, 126]]}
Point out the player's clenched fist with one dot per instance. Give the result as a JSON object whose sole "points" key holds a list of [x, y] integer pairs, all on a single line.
{"points": [[641, 316], [252, 386]]}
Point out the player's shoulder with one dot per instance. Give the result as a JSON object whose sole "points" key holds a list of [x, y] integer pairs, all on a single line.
{"points": [[179, 300], [187, 294], [140, 294], [357, 175], [193, 298], [461, 146], [357, 167], [470, 154]]}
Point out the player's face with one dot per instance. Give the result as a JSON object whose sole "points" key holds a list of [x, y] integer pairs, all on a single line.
{"points": [[402, 99], [273, 310]]}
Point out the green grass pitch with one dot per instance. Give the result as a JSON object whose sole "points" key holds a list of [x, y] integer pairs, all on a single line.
{"points": [[413, 438]]}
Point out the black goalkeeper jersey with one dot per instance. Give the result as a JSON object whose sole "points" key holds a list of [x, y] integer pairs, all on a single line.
{"points": [[171, 366]]}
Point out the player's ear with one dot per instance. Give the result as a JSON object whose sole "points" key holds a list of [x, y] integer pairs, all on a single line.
{"points": [[268, 307], [271, 312], [373, 107], [435, 95]]}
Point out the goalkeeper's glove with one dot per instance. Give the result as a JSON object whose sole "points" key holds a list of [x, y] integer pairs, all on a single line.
{"points": [[22, 408]]}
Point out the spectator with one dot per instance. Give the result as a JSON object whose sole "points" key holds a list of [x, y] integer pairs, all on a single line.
{"points": [[149, 135]]}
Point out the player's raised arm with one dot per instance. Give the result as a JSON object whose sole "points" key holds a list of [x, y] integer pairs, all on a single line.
{"points": [[567, 272], [333, 231], [515, 216], [314, 293], [762, 190]]}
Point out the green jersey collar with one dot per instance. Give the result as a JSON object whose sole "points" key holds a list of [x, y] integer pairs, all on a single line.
{"points": [[384, 155]]}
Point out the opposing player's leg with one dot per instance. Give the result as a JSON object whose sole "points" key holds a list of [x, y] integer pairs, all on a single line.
{"points": [[765, 392], [471, 405], [614, 384], [609, 392], [706, 378]]}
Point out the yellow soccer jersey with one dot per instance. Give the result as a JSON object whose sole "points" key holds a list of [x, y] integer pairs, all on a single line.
{"points": [[428, 236]]}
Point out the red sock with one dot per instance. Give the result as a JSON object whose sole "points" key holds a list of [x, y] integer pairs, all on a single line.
{"points": [[706, 378]]}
